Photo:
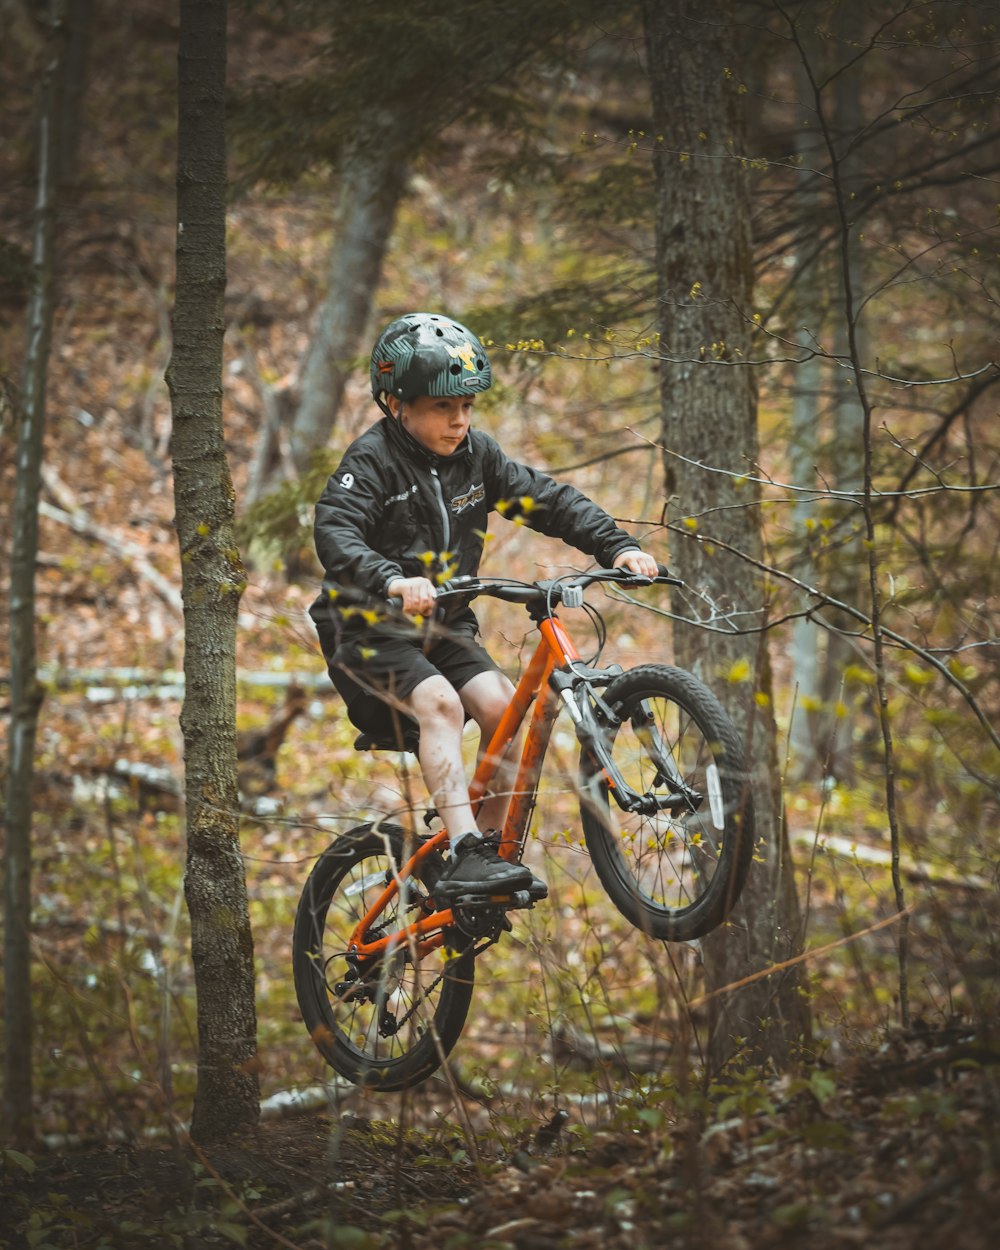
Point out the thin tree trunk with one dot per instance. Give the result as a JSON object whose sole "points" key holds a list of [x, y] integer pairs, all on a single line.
{"points": [[709, 417], [810, 729], [844, 581], [25, 691], [80, 17], [374, 175], [227, 1096]]}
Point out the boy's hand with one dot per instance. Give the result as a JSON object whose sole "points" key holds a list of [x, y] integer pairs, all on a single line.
{"points": [[637, 562], [417, 593]]}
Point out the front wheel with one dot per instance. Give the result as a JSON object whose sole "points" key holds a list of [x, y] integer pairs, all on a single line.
{"points": [[388, 1024], [676, 869]]}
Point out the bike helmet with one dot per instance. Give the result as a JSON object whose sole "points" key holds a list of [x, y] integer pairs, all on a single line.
{"points": [[427, 354]]}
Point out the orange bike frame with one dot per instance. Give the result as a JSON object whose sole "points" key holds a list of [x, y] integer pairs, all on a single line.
{"points": [[555, 649]]}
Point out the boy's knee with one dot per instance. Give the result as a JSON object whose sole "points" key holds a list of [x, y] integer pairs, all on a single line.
{"points": [[436, 701]]}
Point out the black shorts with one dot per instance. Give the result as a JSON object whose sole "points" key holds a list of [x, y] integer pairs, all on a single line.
{"points": [[374, 672]]}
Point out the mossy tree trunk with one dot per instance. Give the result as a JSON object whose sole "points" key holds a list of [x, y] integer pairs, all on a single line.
{"points": [[227, 1096], [708, 393], [25, 691]]}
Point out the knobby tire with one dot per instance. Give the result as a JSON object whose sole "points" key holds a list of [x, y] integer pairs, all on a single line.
{"points": [[393, 1026], [674, 875]]}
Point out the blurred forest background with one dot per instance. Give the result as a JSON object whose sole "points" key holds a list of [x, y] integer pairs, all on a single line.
{"points": [[500, 163]]}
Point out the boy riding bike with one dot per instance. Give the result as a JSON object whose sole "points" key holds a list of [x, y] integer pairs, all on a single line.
{"points": [[405, 510]]}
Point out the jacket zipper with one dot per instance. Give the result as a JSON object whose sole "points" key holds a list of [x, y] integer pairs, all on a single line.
{"points": [[445, 520]]}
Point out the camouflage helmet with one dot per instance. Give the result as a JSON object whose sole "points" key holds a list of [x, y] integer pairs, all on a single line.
{"points": [[427, 354]]}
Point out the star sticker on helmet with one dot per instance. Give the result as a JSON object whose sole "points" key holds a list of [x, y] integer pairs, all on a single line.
{"points": [[464, 353]]}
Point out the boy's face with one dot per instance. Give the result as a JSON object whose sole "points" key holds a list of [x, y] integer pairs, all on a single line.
{"points": [[439, 424]]}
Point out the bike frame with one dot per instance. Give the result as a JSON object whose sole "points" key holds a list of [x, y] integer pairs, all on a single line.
{"points": [[555, 650]]}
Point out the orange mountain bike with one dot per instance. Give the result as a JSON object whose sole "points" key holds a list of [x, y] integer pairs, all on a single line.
{"points": [[384, 976]]}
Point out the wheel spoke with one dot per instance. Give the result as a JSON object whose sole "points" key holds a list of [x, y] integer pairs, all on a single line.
{"points": [[375, 1022], [669, 871]]}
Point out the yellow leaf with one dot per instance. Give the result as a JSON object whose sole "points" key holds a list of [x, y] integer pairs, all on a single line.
{"points": [[964, 672], [740, 671], [916, 675]]}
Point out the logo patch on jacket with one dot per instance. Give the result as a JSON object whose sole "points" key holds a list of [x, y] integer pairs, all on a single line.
{"points": [[474, 495], [402, 496]]}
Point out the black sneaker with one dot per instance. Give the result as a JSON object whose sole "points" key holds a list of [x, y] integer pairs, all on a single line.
{"points": [[537, 889], [476, 868]]}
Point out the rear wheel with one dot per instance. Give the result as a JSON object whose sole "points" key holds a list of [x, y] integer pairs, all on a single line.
{"points": [[390, 1023], [674, 872]]}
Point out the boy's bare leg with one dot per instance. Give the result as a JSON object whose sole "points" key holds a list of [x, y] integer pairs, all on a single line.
{"points": [[474, 868], [438, 710], [486, 698]]}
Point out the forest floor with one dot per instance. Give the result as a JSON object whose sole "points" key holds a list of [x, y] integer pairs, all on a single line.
{"points": [[897, 1149]]}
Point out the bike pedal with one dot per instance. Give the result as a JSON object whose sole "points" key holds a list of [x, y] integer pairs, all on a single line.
{"points": [[480, 899], [534, 893]]}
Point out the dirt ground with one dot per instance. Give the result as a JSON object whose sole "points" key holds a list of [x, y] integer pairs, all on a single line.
{"points": [[901, 1149]]}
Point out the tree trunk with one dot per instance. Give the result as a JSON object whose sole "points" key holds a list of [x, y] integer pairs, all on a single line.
{"points": [[811, 728], [227, 1096], [845, 577], [709, 417], [373, 178], [80, 18], [25, 691]]}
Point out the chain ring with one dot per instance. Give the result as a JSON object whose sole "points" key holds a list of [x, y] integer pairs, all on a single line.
{"points": [[480, 922]]}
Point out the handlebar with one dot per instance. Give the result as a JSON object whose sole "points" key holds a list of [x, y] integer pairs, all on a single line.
{"points": [[550, 590]]}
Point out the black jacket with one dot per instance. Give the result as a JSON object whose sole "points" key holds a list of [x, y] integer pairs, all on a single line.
{"points": [[393, 509]]}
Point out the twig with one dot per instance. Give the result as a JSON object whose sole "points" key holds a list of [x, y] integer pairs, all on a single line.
{"points": [[130, 552], [824, 600], [805, 956], [932, 1190], [230, 1193], [914, 871]]}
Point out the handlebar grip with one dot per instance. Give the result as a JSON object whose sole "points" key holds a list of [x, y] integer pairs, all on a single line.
{"points": [[464, 583]]}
